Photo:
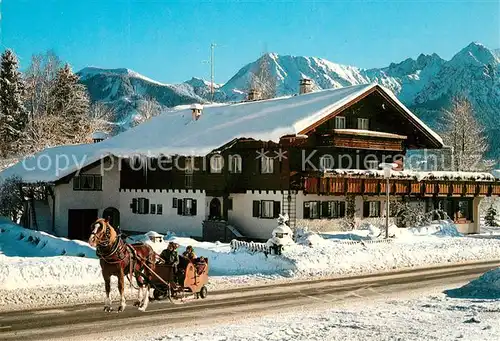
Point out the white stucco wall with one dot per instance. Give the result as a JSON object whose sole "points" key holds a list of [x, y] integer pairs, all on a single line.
{"points": [[241, 214], [322, 225], [169, 220], [66, 198]]}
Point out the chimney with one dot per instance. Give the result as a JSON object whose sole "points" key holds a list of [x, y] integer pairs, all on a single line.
{"points": [[253, 95], [99, 136], [196, 109], [306, 86]]}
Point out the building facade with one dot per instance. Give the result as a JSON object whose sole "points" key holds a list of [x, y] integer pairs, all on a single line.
{"points": [[321, 174]]}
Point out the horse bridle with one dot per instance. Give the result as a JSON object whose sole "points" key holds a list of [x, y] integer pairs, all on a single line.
{"points": [[107, 234]]}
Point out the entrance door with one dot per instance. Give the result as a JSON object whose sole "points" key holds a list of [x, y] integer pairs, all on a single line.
{"points": [[215, 209], [79, 223]]}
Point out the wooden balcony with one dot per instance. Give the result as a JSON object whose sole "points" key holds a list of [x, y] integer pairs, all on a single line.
{"points": [[342, 185], [362, 139]]}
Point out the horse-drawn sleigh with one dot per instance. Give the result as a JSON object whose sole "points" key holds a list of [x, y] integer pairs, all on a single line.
{"points": [[139, 260]]}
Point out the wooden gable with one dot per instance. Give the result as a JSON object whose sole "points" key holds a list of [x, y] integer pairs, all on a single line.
{"points": [[384, 115]]}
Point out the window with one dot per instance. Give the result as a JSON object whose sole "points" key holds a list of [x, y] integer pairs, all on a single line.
{"points": [[266, 209], [371, 209], [363, 124], [463, 211], [216, 163], [235, 164], [186, 207], [340, 122], [189, 165], [332, 209], [87, 182], [140, 205], [326, 162], [311, 209], [159, 209], [267, 165], [152, 209], [188, 181], [174, 203]]}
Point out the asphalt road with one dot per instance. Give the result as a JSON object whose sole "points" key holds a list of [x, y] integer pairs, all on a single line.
{"points": [[88, 322]]}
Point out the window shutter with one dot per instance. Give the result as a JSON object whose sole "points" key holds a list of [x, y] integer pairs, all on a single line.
{"points": [[179, 207], [133, 205], [256, 209], [324, 210], [341, 209], [193, 207], [277, 209], [146, 206], [379, 206], [366, 209], [306, 212], [470, 211], [174, 203]]}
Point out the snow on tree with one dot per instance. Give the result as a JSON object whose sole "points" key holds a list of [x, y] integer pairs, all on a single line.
{"points": [[39, 78], [262, 79], [349, 222], [69, 99], [491, 216], [59, 107], [466, 138], [11, 200], [13, 116], [147, 109]]}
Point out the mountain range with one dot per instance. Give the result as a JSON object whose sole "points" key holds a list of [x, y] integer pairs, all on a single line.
{"points": [[425, 84]]}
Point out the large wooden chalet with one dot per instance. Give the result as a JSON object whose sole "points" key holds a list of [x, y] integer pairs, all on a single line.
{"points": [[220, 171]]}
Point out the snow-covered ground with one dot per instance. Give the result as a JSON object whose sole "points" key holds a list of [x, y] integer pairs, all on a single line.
{"points": [[425, 314], [435, 318], [38, 268]]}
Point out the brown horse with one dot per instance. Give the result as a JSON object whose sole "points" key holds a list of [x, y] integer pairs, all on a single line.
{"points": [[118, 259]]}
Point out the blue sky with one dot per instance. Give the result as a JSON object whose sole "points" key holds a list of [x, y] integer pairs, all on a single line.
{"points": [[169, 40]]}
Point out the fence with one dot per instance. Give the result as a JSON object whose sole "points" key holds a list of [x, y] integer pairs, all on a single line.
{"points": [[250, 246], [363, 242]]}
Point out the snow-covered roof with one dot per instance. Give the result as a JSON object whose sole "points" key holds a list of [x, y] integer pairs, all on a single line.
{"points": [[51, 164], [415, 175], [175, 132]]}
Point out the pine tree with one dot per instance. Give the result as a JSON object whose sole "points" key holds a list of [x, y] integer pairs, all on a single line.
{"points": [[491, 216], [69, 101], [13, 116]]}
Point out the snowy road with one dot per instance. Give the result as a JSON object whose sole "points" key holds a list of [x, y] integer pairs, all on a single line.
{"points": [[86, 322]]}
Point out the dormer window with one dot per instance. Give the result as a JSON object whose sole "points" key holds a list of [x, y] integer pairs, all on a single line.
{"points": [[363, 124], [235, 164], [267, 165], [340, 122], [216, 163]]}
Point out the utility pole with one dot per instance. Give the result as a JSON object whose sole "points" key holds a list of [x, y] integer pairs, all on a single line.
{"points": [[212, 69]]}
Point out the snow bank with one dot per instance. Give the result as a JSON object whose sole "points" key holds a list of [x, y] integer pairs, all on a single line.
{"points": [[35, 272], [222, 261], [18, 241], [37, 259], [485, 287]]}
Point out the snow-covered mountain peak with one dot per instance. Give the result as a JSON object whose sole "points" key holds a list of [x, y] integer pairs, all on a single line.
{"points": [[474, 54], [92, 71]]}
